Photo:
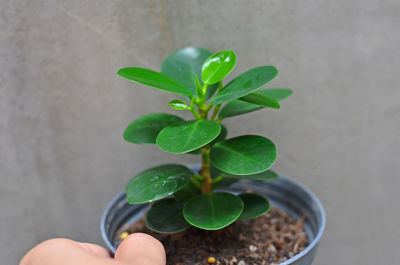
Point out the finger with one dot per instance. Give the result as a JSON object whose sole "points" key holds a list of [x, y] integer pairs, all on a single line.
{"points": [[141, 249], [65, 251], [95, 249]]}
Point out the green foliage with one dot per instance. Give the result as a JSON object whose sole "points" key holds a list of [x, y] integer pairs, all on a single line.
{"points": [[254, 206], [183, 197], [145, 129], [213, 211], [218, 66], [245, 84], [154, 79], [221, 136], [184, 65], [166, 216], [266, 175], [243, 155], [157, 182], [238, 106], [187, 136], [178, 104]]}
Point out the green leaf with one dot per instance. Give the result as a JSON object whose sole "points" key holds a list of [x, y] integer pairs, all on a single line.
{"points": [[266, 176], [157, 182], [213, 211], [154, 79], [221, 136], [238, 106], [187, 192], [218, 66], [166, 217], [254, 206], [184, 64], [259, 99], [243, 155], [178, 104], [187, 136], [245, 84], [145, 129], [278, 94]]}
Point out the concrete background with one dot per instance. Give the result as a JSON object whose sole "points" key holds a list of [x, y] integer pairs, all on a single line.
{"points": [[63, 109]]}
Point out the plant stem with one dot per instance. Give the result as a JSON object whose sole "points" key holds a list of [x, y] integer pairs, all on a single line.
{"points": [[193, 110], [218, 106], [206, 186], [215, 112]]}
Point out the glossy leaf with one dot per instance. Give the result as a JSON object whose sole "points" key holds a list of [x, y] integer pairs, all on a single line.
{"points": [[166, 216], [262, 100], [266, 176], [154, 79], [184, 64], [254, 206], [245, 83], [187, 136], [243, 155], [145, 129], [218, 66], [213, 211], [221, 136], [157, 182], [238, 106], [178, 104]]}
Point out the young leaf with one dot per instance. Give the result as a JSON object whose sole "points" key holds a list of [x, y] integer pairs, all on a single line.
{"points": [[166, 217], [245, 84], [187, 136], [145, 129], [184, 64], [254, 206], [156, 183], [218, 66], [266, 175], [178, 104], [221, 136], [238, 106], [213, 211], [154, 79], [262, 100], [243, 155]]}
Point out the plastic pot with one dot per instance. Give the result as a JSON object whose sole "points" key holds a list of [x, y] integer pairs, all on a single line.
{"points": [[284, 194]]}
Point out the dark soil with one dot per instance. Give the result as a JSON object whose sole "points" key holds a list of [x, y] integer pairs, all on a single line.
{"points": [[270, 239]]}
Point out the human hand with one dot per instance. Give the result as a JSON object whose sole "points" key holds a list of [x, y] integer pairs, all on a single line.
{"points": [[136, 249]]}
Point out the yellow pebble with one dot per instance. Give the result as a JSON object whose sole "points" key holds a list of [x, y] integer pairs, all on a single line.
{"points": [[123, 235], [211, 260]]}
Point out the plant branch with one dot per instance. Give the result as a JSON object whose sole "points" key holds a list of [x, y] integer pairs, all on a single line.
{"points": [[206, 186], [215, 112]]}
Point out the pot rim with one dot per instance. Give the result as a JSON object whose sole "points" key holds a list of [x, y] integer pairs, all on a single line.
{"points": [[311, 246]]}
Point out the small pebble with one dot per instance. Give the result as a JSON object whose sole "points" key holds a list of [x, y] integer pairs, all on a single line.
{"points": [[252, 248], [211, 260], [233, 261], [242, 262], [123, 235]]}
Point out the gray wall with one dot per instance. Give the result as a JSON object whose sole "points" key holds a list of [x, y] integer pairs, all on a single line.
{"points": [[63, 109]]}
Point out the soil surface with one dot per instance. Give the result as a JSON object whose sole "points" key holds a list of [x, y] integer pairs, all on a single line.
{"points": [[270, 239]]}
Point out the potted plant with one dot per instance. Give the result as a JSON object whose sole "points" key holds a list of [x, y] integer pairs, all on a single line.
{"points": [[174, 197]]}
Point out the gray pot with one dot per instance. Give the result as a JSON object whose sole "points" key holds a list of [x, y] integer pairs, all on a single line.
{"points": [[284, 194]]}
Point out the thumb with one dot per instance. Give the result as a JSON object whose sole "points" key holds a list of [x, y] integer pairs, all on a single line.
{"points": [[141, 249]]}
